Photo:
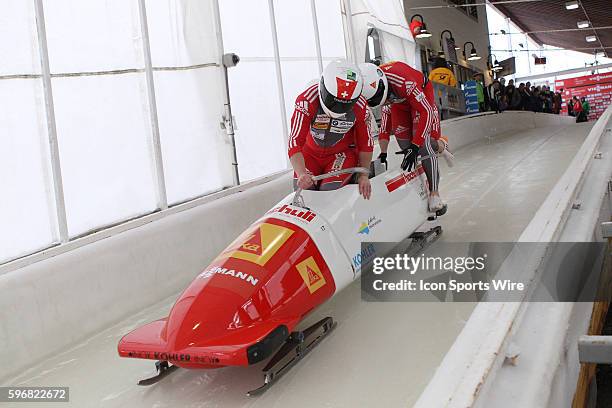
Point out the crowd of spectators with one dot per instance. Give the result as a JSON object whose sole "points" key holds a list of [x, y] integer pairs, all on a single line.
{"points": [[503, 97]]}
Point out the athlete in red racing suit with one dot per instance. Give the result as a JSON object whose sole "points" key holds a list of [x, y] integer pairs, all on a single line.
{"points": [[320, 143], [411, 97]]}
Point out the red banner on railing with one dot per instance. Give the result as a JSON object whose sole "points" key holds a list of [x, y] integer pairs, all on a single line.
{"points": [[597, 89]]}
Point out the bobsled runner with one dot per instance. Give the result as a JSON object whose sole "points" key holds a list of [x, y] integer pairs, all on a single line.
{"points": [[245, 306]]}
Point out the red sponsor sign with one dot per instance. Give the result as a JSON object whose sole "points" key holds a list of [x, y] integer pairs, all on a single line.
{"points": [[597, 89]]}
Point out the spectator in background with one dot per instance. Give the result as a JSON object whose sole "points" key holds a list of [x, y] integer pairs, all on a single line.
{"points": [[441, 73], [586, 108], [578, 111], [535, 100], [546, 97], [557, 100], [525, 96], [480, 93], [502, 86], [494, 93], [570, 107], [513, 96]]}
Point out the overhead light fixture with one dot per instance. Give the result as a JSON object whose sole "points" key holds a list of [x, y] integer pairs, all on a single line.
{"points": [[493, 63], [450, 37], [584, 24], [571, 5], [418, 28], [590, 38], [473, 56]]}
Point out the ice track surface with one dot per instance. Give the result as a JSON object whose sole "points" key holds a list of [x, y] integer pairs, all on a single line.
{"points": [[380, 354]]}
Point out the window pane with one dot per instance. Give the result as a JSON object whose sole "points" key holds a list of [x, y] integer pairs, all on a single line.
{"points": [[18, 42], [246, 28], [259, 135], [105, 154], [295, 29], [297, 76], [260, 142], [27, 206], [93, 35], [196, 153], [329, 19], [181, 32]]}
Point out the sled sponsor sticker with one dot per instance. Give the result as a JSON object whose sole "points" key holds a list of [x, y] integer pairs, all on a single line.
{"points": [[294, 213], [403, 178], [311, 274], [366, 226], [262, 243]]}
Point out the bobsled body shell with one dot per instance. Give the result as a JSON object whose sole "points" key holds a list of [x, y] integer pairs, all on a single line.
{"points": [[244, 305], [344, 221]]}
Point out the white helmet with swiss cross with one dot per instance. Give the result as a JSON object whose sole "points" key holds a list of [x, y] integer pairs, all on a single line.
{"points": [[375, 85], [340, 87]]}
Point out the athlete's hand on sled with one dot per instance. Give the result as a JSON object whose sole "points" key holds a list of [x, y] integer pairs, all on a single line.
{"points": [[410, 155], [365, 189], [305, 181]]}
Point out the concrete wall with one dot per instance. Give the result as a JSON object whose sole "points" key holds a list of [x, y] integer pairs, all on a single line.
{"points": [[53, 303], [464, 28]]}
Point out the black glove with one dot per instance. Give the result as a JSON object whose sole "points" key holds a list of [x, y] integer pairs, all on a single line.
{"points": [[383, 158], [410, 155]]}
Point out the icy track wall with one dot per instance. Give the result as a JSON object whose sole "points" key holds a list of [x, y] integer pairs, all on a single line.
{"points": [[50, 305]]}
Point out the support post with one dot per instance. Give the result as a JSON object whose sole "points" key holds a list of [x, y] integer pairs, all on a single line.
{"points": [[315, 24], [351, 33], [279, 76], [58, 186], [228, 119], [162, 199]]}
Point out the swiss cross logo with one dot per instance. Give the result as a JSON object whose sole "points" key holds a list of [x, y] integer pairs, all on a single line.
{"points": [[346, 88]]}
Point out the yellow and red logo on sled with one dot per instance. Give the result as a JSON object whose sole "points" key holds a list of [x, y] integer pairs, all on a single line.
{"points": [[310, 272], [262, 243]]}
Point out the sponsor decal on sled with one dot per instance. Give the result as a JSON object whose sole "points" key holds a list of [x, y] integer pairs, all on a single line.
{"points": [[294, 212], [311, 274], [366, 226], [262, 243], [403, 178], [210, 271]]}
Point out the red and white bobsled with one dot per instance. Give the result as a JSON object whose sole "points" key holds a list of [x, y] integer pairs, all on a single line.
{"points": [[246, 304]]}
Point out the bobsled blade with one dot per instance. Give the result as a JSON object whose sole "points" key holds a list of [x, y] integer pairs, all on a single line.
{"points": [[297, 345], [163, 370]]}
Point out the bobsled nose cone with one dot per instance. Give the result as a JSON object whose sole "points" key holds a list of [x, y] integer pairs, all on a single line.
{"points": [[203, 320]]}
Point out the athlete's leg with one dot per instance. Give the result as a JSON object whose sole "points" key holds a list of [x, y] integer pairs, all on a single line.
{"points": [[338, 161], [430, 164]]}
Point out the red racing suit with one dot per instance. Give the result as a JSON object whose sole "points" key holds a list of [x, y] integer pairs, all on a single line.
{"points": [[328, 144], [416, 101], [413, 115]]}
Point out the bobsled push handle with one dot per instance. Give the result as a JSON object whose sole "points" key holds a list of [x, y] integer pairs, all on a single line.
{"points": [[299, 201]]}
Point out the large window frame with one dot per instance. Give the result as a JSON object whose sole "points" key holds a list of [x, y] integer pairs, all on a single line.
{"points": [[66, 242]]}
